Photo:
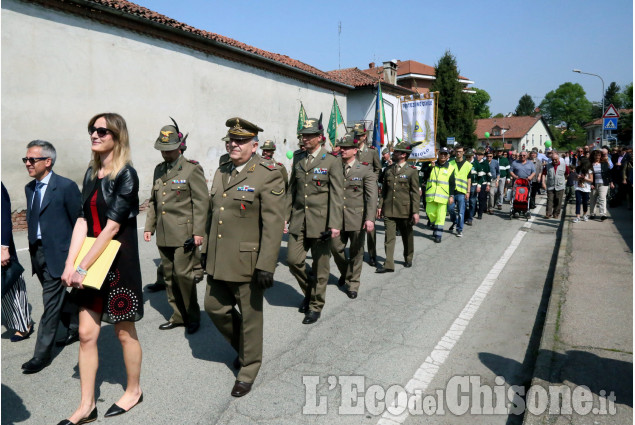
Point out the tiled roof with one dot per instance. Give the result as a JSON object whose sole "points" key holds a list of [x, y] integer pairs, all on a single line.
{"points": [[598, 121], [353, 76], [358, 78], [516, 127], [406, 67], [142, 12]]}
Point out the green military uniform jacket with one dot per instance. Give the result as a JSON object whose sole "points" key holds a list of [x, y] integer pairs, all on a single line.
{"points": [[246, 221], [503, 165], [370, 155], [360, 196], [483, 175], [315, 198], [400, 192], [178, 203], [281, 168], [223, 159]]}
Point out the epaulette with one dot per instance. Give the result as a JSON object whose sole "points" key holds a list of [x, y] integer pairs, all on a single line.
{"points": [[280, 164], [412, 166], [372, 147], [365, 163], [269, 165], [335, 154], [193, 161]]}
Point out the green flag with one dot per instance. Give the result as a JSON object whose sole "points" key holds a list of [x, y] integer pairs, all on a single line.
{"points": [[335, 120], [301, 117]]}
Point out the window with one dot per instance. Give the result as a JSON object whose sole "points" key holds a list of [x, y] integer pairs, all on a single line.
{"points": [[496, 131]]}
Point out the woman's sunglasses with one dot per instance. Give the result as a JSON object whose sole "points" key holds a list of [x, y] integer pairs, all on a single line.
{"points": [[101, 131]]}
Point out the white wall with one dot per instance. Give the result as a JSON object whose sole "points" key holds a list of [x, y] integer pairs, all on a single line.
{"points": [[58, 70], [361, 106], [536, 137]]}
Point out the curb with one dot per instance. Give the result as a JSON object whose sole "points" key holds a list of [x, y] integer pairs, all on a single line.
{"points": [[548, 341]]}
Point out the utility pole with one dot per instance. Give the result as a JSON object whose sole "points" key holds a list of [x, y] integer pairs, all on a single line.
{"points": [[603, 92]]}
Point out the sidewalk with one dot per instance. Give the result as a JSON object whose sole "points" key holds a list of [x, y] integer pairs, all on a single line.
{"points": [[588, 333]]}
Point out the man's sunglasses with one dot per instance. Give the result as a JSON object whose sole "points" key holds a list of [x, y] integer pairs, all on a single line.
{"points": [[33, 160], [101, 131]]}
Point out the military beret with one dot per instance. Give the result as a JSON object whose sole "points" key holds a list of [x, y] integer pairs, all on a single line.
{"points": [[268, 145], [241, 129], [312, 126]]}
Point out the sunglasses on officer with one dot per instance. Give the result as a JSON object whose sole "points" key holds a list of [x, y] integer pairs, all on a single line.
{"points": [[33, 160], [101, 131]]}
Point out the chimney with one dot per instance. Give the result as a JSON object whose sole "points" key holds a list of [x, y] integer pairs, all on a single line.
{"points": [[371, 65], [390, 72]]}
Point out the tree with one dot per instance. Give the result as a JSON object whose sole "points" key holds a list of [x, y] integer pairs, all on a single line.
{"points": [[455, 116], [568, 104], [526, 106], [612, 96], [627, 97], [479, 101], [499, 115], [625, 128]]}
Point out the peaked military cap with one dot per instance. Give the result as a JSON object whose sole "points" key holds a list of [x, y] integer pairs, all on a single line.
{"points": [[268, 146], [359, 129], [348, 140], [170, 138], [241, 129], [312, 126], [225, 139], [404, 146]]}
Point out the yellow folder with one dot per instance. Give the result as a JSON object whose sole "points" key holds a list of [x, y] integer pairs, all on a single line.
{"points": [[98, 271]]}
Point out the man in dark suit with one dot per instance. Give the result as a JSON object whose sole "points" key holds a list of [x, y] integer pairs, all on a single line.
{"points": [[53, 205]]}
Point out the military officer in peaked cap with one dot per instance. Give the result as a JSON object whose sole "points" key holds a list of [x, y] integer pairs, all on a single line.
{"points": [[368, 153], [268, 148], [314, 205], [399, 205], [360, 207], [244, 234], [177, 212], [224, 157]]}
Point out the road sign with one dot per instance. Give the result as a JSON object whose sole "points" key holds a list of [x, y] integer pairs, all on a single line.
{"points": [[610, 123], [611, 112], [451, 141]]}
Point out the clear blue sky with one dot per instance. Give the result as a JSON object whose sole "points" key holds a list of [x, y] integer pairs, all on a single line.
{"points": [[508, 48]]}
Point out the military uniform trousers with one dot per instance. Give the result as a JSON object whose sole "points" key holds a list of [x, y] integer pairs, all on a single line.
{"points": [[198, 269], [372, 244], [482, 200], [407, 236], [436, 212], [244, 329], [315, 289], [178, 270], [351, 267]]}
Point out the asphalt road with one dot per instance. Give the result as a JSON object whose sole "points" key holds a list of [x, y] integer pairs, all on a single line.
{"points": [[471, 306]]}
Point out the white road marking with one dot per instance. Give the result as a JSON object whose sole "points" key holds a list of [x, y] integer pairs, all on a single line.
{"points": [[428, 370]]}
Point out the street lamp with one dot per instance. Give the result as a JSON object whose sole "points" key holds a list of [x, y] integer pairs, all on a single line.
{"points": [[595, 75]]}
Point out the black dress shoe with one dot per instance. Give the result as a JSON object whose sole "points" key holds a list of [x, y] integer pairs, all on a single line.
{"points": [[351, 294], [116, 410], [304, 307], [156, 287], [236, 363], [170, 325], [35, 365], [407, 264], [241, 388], [192, 327], [18, 338], [71, 337], [382, 269], [372, 262], [311, 317], [90, 418], [341, 281]]}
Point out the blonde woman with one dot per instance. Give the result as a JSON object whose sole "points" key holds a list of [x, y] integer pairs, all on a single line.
{"points": [[110, 207]]}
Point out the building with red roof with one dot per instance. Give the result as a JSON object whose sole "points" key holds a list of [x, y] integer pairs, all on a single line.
{"points": [[516, 133]]}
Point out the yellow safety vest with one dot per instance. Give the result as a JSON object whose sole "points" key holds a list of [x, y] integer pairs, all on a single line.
{"points": [[461, 175], [438, 186]]}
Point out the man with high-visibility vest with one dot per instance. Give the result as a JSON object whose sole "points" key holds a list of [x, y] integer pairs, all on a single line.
{"points": [[463, 180], [440, 192]]}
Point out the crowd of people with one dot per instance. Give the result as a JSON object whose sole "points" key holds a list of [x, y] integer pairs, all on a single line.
{"points": [[233, 231]]}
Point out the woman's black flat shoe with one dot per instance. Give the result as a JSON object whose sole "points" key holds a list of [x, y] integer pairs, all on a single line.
{"points": [[116, 410], [90, 418]]}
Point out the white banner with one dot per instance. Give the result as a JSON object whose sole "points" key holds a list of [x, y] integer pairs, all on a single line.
{"points": [[419, 124]]}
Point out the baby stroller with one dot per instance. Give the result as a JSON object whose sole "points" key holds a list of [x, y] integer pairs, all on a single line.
{"points": [[520, 200]]}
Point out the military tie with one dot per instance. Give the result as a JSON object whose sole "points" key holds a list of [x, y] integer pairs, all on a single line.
{"points": [[233, 174], [34, 217], [348, 169]]}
